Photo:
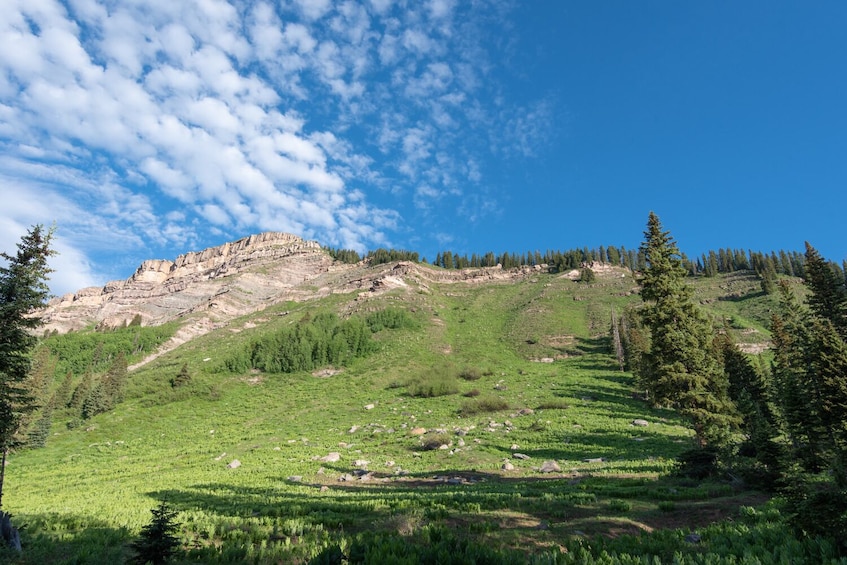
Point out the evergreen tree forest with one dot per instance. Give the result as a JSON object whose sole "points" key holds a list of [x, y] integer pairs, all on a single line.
{"points": [[767, 265], [782, 427]]}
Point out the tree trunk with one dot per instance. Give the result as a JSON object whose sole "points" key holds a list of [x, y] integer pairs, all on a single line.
{"points": [[9, 533], [3, 475]]}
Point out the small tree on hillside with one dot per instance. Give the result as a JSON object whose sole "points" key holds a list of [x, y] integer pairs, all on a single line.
{"points": [[23, 290], [158, 540], [182, 378]]}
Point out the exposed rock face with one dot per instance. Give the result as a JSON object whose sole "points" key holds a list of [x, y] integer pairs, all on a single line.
{"points": [[233, 278]]}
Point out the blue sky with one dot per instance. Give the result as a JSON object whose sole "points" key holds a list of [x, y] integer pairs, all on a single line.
{"points": [[149, 128]]}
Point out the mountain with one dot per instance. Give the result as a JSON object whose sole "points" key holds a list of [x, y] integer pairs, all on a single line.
{"points": [[213, 286], [498, 420]]}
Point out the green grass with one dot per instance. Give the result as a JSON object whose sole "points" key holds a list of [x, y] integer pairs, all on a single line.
{"points": [[89, 492]]}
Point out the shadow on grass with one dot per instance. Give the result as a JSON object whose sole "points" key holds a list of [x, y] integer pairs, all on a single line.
{"points": [[594, 345], [518, 508], [68, 538]]}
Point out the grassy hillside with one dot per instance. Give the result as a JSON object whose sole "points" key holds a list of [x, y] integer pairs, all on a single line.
{"points": [[350, 456]]}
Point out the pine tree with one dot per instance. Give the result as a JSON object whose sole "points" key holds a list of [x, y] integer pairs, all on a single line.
{"points": [[81, 392], [681, 369], [63, 394], [158, 540], [23, 290], [617, 342], [796, 382], [828, 298], [115, 380], [751, 393], [184, 376]]}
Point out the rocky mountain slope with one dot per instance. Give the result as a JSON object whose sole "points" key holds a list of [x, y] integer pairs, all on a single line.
{"points": [[220, 283]]}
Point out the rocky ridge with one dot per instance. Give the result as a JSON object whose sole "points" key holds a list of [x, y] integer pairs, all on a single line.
{"points": [[224, 281], [240, 277], [207, 289]]}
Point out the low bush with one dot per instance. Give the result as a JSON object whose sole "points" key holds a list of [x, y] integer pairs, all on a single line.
{"points": [[439, 380], [667, 505], [554, 404], [619, 506], [470, 374], [697, 463], [433, 441], [483, 404]]}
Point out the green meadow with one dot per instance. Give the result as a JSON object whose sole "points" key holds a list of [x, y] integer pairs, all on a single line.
{"points": [[495, 428]]}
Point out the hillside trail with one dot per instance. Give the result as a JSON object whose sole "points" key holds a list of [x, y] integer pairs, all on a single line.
{"points": [[183, 335]]}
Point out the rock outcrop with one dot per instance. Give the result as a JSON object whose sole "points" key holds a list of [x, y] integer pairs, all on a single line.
{"points": [[227, 280]]}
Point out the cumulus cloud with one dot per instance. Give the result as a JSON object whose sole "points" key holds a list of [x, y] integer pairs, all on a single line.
{"points": [[152, 124]]}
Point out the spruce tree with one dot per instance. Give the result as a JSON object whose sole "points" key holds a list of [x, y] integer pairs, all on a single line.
{"points": [[681, 369], [828, 298], [184, 376], [796, 380], [158, 540], [115, 380], [23, 290], [751, 392]]}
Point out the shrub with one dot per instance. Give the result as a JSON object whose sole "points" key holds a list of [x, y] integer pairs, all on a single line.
{"points": [[434, 441], [390, 319], [439, 380], [554, 404], [470, 374], [538, 426], [667, 505], [472, 393], [698, 463], [619, 506], [430, 388], [483, 404]]}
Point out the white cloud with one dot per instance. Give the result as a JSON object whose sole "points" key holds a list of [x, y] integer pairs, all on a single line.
{"points": [[313, 9], [293, 115]]}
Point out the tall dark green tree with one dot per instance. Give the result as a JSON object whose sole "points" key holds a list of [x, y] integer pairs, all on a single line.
{"points": [[828, 297], [751, 392], [681, 368], [796, 385], [23, 290], [158, 540]]}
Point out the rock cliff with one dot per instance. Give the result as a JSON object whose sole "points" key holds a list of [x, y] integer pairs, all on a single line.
{"points": [[227, 280]]}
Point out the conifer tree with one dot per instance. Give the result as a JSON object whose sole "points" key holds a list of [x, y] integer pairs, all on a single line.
{"points": [[617, 342], [184, 376], [81, 392], [797, 377], [751, 393], [828, 298], [23, 290], [63, 394], [115, 380], [158, 540], [681, 368]]}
